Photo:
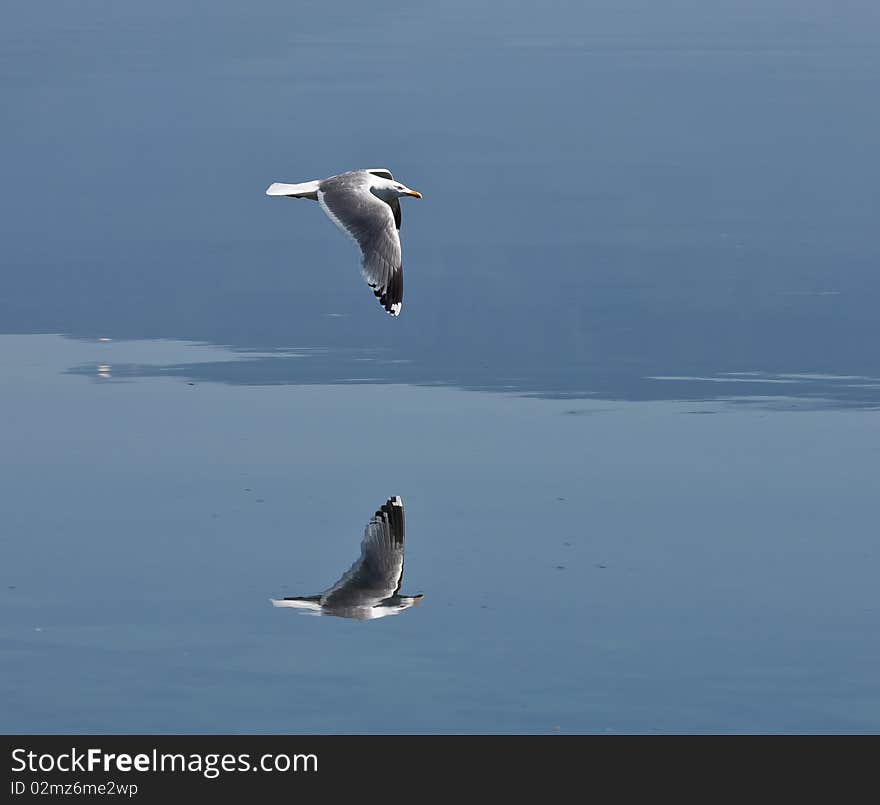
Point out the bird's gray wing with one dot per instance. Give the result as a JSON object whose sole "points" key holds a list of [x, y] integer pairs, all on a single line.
{"points": [[367, 219], [376, 574]]}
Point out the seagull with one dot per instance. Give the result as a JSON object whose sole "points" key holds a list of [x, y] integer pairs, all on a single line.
{"points": [[370, 588], [365, 204]]}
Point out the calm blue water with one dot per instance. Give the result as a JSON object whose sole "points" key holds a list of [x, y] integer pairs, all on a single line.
{"points": [[630, 405]]}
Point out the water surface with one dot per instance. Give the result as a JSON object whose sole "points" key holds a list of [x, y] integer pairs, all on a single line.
{"points": [[630, 405]]}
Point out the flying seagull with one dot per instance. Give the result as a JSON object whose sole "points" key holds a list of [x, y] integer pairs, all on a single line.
{"points": [[370, 588], [365, 204]]}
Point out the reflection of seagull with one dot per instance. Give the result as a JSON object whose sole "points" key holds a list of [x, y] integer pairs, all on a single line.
{"points": [[371, 587], [365, 204]]}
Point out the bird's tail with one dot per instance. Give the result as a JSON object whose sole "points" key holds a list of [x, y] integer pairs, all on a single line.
{"points": [[312, 602], [301, 190]]}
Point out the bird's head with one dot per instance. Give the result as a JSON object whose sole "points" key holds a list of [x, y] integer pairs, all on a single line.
{"points": [[389, 189]]}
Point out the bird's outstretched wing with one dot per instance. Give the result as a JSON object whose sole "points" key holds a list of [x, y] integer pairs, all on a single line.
{"points": [[376, 574], [373, 225]]}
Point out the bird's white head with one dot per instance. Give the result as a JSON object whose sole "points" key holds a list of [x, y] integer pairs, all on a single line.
{"points": [[389, 189]]}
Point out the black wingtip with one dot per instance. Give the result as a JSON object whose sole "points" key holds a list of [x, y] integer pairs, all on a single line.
{"points": [[392, 512], [391, 298]]}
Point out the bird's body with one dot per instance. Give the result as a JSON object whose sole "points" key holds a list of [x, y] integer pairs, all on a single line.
{"points": [[365, 204], [371, 586]]}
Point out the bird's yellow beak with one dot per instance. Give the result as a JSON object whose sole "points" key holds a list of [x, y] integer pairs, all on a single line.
{"points": [[415, 193]]}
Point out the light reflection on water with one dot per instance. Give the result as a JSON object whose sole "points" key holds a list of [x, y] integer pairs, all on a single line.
{"points": [[328, 366]]}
